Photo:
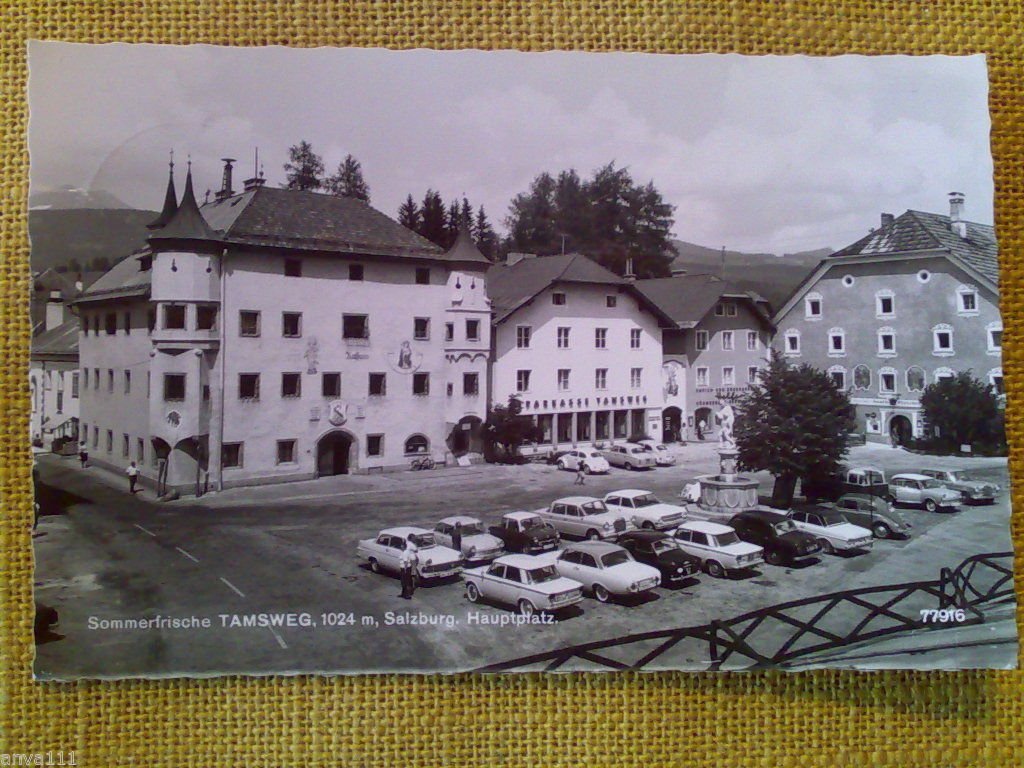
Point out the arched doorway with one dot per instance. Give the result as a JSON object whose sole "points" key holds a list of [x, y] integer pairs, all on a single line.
{"points": [[466, 437], [335, 453], [703, 423], [671, 424], [900, 430]]}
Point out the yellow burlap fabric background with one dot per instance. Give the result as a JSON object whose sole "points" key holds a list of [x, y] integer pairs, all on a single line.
{"points": [[835, 719]]}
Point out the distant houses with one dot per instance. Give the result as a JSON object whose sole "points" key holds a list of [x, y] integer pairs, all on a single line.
{"points": [[272, 335]]}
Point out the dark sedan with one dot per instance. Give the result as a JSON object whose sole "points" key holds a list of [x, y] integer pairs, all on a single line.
{"points": [[782, 541], [661, 551]]}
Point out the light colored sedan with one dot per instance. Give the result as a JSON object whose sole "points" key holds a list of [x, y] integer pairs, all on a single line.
{"points": [[662, 455], [644, 509], [629, 456], [922, 491], [384, 552], [477, 545], [591, 461], [719, 548], [525, 581], [584, 516], [833, 531], [604, 569]]}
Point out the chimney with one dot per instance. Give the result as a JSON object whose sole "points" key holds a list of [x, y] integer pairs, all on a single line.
{"points": [[225, 190], [956, 212], [887, 220], [257, 179], [54, 310], [630, 275]]}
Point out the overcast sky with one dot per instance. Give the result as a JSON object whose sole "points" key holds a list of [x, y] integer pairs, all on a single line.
{"points": [[757, 153]]}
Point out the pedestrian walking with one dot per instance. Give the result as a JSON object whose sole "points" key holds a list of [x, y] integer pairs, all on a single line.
{"points": [[701, 426], [133, 477], [410, 559], [457, 538], [83, 454], [579, 475]]}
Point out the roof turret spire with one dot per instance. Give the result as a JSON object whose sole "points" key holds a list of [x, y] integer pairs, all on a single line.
{"points": [[170, 200], [187, 223]]}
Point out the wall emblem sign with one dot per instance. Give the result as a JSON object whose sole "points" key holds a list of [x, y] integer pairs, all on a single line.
{"points": [[312, 355], [337, 413], [405, 360], [174, 419]]}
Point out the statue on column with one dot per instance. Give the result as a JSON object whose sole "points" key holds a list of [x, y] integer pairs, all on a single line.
{"points": [[727, 416]]}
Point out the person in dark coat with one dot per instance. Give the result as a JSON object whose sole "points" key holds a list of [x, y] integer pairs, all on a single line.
{"points": [[83, 454], [457, 538]]}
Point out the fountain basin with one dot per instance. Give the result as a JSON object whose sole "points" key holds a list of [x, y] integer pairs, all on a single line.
{"points": [[727, 494]]}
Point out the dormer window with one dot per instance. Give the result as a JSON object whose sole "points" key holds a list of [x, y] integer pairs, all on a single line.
{"points": [[812, 306]]}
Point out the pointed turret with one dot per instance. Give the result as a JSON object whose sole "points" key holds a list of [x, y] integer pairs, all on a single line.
{"points": [[464, 249], [170, 201], [187, 223]]}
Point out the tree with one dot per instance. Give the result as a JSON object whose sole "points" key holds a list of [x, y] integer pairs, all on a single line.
{"points": [[608, 217], [409, 214], [508, 428], [484, 235], [305, 168], [348, 180], [433, 219], [961, 410], [793, 422]]}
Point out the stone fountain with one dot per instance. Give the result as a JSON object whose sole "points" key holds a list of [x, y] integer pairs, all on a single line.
{"points": [[725, 494]]}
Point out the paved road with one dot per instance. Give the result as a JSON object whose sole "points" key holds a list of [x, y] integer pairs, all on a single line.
{"points": [[290, 549]]}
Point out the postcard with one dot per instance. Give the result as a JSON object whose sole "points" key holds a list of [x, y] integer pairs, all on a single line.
{"points": [[365, 361]]}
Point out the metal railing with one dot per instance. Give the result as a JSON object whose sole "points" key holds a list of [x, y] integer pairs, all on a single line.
{"points": [[777, 634]]}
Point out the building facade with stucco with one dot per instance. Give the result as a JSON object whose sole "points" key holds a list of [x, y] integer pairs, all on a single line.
{"points": [[579, 346], [719, 341], [913, 302], [273, 335]]}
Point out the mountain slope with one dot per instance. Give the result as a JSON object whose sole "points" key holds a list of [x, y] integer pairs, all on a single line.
{"points": [[774, 277], [78, 237]]}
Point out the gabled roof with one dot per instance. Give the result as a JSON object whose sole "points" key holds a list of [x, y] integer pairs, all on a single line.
{"points": [[125, 279], [62, 340], [510, 286], [687, 299], [915, 234], [921, 231], [289, 218]]}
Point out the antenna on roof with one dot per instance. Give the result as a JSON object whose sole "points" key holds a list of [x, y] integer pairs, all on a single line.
{"points": [[722, 271]]}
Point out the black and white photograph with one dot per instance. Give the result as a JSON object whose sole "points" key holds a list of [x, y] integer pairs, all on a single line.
{"points": [[365, 361]]}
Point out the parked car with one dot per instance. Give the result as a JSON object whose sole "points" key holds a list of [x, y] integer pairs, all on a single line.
{"points": [[663, 457], [629, 456], [477, 545], [869, 480], [776, 534], [525, 532], [960, 480], [874, 513], [604, 569], [923, 491], [833, 531], [644, 509], [383, 552], [659, 550], [588, 458], [584, 516], [718, 547], [528, 582]]}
